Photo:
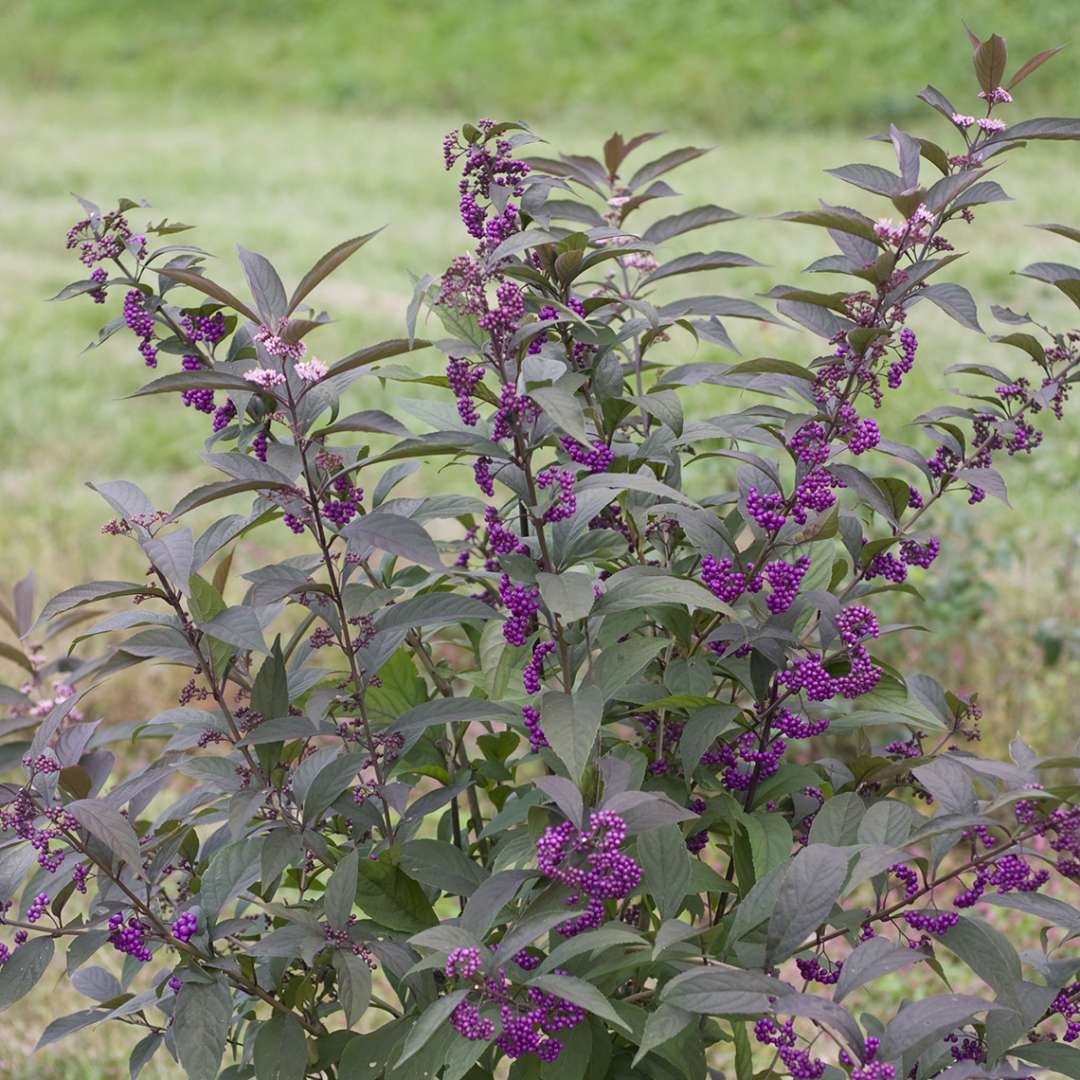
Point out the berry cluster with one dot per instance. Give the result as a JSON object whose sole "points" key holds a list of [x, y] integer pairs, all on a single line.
{"points": [[185, 927], [129, 937], [523, 602], [589, 862]]}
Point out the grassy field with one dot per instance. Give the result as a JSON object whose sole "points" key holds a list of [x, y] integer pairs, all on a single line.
{"points": [[289, 127]]}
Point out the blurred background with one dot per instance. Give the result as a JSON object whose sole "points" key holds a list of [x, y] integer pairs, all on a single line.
{"points": [[289, 126]]}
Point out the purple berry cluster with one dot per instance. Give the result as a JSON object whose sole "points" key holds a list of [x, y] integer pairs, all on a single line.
{"points": [[784, 580], [527, 1021], [812, 970], [931, 922], [129, 937], [589, 862], [488, 160], [596, 458], [464, 964], [1010, 873], [726, 582], [564, 502], [185, 926], [523, 602], [799, 1062], [514, 409], [38, 906], [905, 360], [537, 738], [141, 323], [765, 510], [463, 378], [534, 669]]}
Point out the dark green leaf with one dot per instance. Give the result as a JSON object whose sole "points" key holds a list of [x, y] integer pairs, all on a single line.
{"points": [[280, 1049], [571, 723], [665, 865]]}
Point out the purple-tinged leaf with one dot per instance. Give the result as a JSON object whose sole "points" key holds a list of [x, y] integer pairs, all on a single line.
{"points": [[200, 1027], [689, 220], [23, 969], [1031, 65], [919, 1024], [870, 178], [209, 288], [671, 160], [990, 59], [109, 827], [326, 265], [565, 795], [871, 960], [954, 300], [1045, 127], [810, 887]]}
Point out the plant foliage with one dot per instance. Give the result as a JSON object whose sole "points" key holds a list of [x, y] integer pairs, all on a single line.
{"points": [[598, 772]]}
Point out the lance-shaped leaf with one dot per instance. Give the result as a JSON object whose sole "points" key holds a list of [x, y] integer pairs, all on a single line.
{"points": [[919, 1024], [990, 59], [222, 490], [326, 265], [373, 353], [434, 1017], [89, 594], [1060, 1059], [809, 889], [842, 218], [1031, 65], [688, 221], [719, 991], [870, 178], [109, 827], [580, 993], [264, 283], [440, 865], [374, 420], [1044, 127], [23, 969], [871, 960], [698, 261], [571, 723], [671, 160], [354, 984], [395, 534], [200, 1027], [208, 288], [665, 865], [647, 590], [280, 1051]]}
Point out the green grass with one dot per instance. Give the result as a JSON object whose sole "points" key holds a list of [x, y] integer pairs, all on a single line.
{"points": [[724, 66], [288, 131]]}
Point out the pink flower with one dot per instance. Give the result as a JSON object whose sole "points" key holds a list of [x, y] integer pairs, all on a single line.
{"points": [[264, 377], [311, 370]]}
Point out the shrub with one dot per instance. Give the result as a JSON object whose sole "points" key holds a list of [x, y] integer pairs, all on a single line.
{"points": [[600, 769]]}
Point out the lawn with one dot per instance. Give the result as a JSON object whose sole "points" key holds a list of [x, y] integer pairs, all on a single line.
{"points": [[289, 127]]}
